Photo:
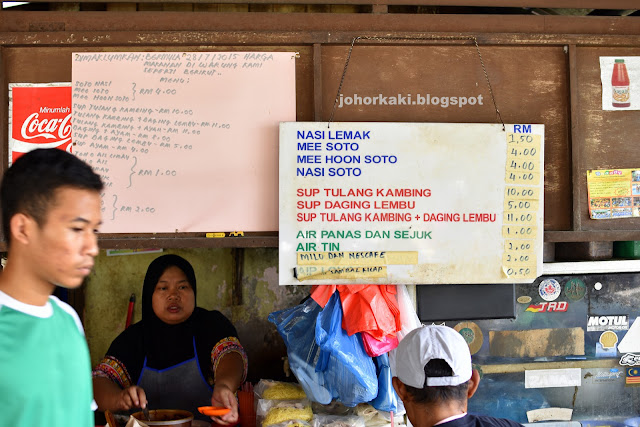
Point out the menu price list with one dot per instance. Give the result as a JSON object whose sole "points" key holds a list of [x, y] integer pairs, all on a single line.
{"points": [[521, 205]]}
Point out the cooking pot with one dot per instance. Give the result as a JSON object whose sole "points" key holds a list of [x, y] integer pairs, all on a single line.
{"points": [[166, 418]]}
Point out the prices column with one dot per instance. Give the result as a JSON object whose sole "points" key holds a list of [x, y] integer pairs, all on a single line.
{"points": [[521, 205]]}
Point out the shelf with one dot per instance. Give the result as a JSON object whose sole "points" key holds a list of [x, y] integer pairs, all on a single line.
{"points": [[589, 267]]}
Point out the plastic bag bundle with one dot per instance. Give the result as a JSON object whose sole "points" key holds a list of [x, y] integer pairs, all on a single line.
{"points": [[349, 372], [370, 309], [296, 325]]}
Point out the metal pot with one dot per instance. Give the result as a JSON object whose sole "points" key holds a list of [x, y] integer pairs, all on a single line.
{"points": [[166, 418]]}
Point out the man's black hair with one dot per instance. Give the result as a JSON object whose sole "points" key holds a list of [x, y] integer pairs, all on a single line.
{"points": [[29, 185], [434, 394]]}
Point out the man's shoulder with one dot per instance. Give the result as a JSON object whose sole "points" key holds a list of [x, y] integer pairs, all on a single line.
{"points": [[488, 421]]}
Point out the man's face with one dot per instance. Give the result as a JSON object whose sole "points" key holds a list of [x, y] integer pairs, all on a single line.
{"points": [[63, 248]]}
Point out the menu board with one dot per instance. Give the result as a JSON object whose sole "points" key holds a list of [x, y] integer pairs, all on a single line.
{"points": [[411, 203], [184, 141]]}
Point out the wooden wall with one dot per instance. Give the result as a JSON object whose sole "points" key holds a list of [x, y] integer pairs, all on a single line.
{"points": [[542, 69]]}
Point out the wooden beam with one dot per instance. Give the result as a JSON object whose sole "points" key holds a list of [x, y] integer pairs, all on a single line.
{"points": [[522, 27], [551, 4]]}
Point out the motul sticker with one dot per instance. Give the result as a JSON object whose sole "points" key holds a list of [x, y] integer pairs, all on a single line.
{"points": [[616, 322], [548, 307], [39, 117]]}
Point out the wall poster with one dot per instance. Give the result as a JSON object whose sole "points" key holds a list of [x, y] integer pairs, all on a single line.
{"points": [[412, 203], [39, 117], [613, 193], [620, 77]]}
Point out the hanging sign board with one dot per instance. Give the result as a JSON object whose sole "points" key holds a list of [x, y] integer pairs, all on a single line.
{"points": [[412, 203]]}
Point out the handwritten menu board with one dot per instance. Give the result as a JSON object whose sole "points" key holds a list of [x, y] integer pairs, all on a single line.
{"points": [[412, 203], [184, 141]]}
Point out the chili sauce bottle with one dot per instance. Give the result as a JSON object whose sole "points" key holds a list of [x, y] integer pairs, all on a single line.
{"points": [[620, 85]]}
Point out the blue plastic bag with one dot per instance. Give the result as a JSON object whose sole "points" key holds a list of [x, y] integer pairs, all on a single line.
{"points": [[387, 399], [349, 373], [296, 325]]}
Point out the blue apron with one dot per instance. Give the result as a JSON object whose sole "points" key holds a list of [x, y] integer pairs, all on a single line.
{"points": [[181, 386]]}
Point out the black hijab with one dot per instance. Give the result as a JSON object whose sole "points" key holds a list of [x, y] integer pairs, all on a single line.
{"points": [[165, 345]]}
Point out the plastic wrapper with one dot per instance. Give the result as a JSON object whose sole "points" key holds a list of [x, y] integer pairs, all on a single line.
{"points": [[296, 325], [338, 421], [375, 418], [387, 399], [333, 408], [375, 347], [278, 390], [408, 319], [271, 412], [293, 423], [349, 373]]}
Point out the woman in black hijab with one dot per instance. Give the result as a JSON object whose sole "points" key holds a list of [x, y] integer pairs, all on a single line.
{"points": [[178, 356]]}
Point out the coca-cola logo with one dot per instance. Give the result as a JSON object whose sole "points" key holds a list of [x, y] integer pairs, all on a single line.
{"points": [[34, 127]]}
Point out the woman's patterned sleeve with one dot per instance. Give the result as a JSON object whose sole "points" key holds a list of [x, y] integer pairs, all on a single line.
{"points": [[113, 369], [228, 345]]}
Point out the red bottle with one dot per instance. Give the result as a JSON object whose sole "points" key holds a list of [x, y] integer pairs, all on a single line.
{"points": [[620, 85]]}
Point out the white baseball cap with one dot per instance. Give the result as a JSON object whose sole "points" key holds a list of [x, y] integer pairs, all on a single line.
{"points": [[429, 342]]}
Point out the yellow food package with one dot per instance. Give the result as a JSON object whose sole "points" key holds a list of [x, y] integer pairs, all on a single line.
{"points": [[284, 391], [278, 415]]}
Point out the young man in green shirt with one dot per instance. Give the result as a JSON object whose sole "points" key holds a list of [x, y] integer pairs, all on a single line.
{"points": [[50, 204]]}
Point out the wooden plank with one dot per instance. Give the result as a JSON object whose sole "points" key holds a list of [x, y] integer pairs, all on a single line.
{"points": [[570, 4], [189, 242], [317, 81], [592, 236], [576, 136], [521, 367], [341, 27]]}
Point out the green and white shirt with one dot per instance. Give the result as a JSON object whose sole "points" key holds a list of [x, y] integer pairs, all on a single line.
{"points": [[45, 369]]}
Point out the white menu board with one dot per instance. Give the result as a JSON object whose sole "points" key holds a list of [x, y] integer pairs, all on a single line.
{"points": [[410, 203]]}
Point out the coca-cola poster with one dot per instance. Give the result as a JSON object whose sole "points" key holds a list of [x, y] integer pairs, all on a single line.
{"points": [[39, 117]]}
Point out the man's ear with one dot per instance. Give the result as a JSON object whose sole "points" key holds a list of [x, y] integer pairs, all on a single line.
{"points": [[473, 383], [400, 388], [20, 227]]}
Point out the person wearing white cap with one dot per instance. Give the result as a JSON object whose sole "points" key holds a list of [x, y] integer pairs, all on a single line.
{"points": [[434, 378]]}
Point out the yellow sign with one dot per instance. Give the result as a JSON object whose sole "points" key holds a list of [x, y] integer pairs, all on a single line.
{"points": [[614, 193]]}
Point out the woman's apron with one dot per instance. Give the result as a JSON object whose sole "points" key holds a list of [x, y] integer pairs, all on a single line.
{"points": [[181, 386]]}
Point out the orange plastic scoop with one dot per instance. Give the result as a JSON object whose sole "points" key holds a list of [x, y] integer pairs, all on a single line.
{"points": [[213, 411]]}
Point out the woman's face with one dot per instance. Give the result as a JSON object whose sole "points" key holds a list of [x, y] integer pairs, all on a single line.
{"points": [[173, 299]]}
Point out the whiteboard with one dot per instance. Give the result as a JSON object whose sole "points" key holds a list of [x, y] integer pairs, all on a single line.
{"points": [[412, 203], [184, 141]]}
